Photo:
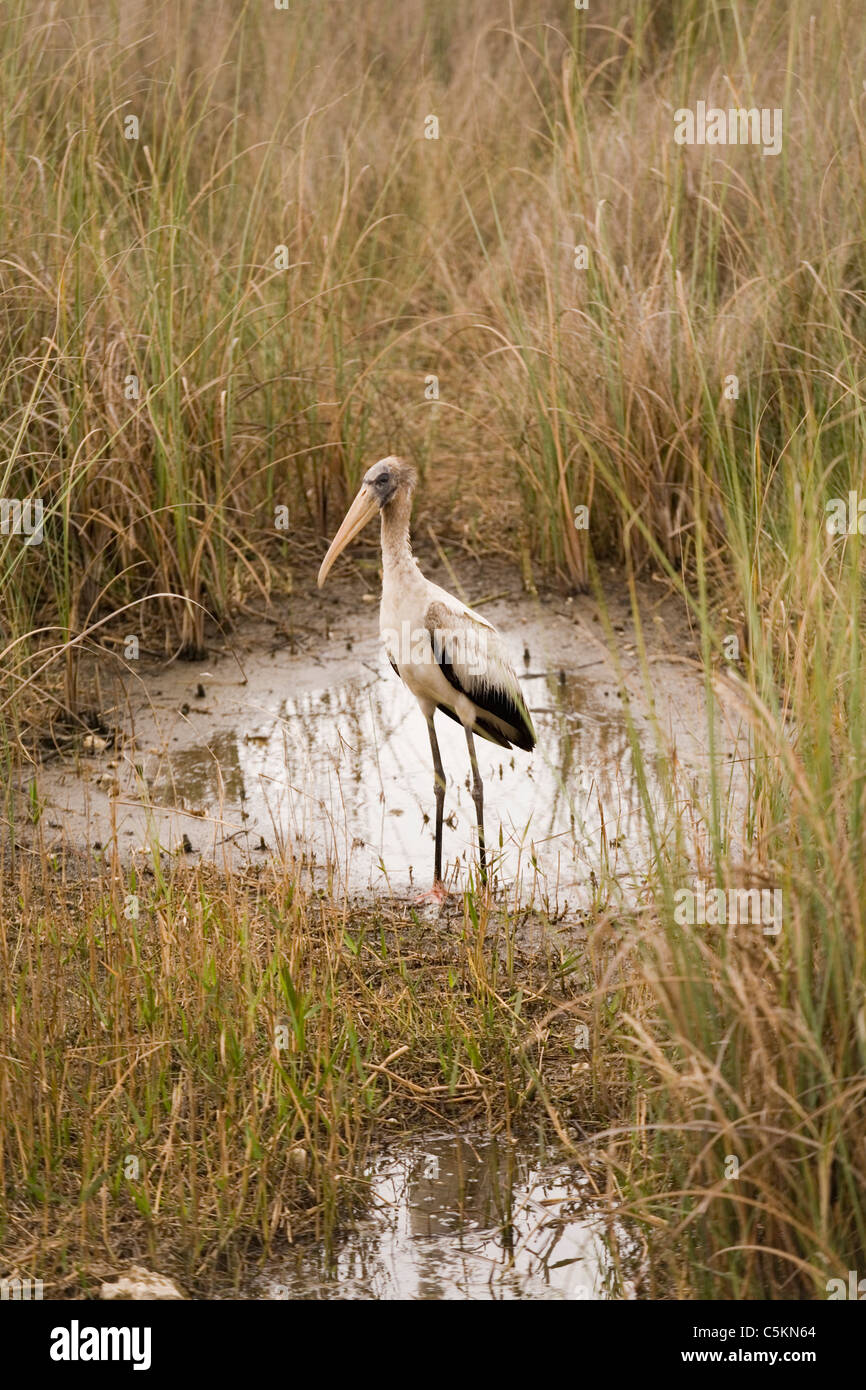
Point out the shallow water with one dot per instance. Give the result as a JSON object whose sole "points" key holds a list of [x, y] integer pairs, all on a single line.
{"points": [[344, 774], [326, 760], [459, 1218]]}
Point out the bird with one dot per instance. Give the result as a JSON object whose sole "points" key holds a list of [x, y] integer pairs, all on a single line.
{"points": [[451, 658]]}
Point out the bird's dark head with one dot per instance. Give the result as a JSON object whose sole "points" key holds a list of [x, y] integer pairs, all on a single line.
{"points": [[387, 481], [388, 477]]}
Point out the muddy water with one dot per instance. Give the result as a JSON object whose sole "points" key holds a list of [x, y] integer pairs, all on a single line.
{"points": [[325, 760], [460, 1218], [344, 774]]}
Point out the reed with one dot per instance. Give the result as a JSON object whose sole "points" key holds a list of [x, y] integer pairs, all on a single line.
{"points": [[234, 310]]}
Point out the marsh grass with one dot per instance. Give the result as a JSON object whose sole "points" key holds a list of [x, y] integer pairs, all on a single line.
{"points": [[200, 1062], [559, 387]]}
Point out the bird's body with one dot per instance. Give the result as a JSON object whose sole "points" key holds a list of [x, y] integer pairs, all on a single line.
{"points": [[450, 657]]}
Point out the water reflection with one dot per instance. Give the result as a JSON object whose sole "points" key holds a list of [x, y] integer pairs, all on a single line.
{"points": [[342, 775], [205, 776], [457, 1218]]}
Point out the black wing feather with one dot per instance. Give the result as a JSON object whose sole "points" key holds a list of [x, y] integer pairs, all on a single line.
{"points": [[489, 698]]}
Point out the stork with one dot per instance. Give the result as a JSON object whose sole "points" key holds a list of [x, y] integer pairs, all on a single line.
{"points": [[450, 657]]}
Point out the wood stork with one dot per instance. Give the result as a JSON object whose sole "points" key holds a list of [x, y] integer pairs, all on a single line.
{"points": [[450, 657]]}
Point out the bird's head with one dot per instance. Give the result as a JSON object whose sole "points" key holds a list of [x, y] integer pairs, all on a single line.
{"points": [[383, 484]]}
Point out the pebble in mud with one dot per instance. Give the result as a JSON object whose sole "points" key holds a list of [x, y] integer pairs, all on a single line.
{"points": [[140, 1285]]}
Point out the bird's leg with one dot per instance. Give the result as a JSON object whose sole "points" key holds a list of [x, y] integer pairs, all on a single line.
{"points": [[439, 792], [437, 893], [478, 798]]}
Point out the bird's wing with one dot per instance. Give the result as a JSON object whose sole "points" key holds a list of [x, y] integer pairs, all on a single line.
{"points": [[473, 659]]}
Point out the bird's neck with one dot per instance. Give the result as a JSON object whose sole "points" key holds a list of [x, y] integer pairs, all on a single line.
{"points": [[396, 547]]}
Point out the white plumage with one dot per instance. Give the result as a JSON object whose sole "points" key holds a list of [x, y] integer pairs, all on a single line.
{"points": [[449, 656]]}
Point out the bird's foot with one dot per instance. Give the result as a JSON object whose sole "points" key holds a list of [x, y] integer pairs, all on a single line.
{"points": [[438, 894]]}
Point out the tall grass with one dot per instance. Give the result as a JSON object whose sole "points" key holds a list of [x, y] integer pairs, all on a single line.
{"points": [[559, 386]]}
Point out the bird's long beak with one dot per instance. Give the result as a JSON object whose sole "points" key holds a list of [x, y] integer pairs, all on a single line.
{"points": [[362, 510]]}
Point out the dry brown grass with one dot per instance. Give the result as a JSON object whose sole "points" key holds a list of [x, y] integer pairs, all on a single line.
{"points": [[408, 257]]}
